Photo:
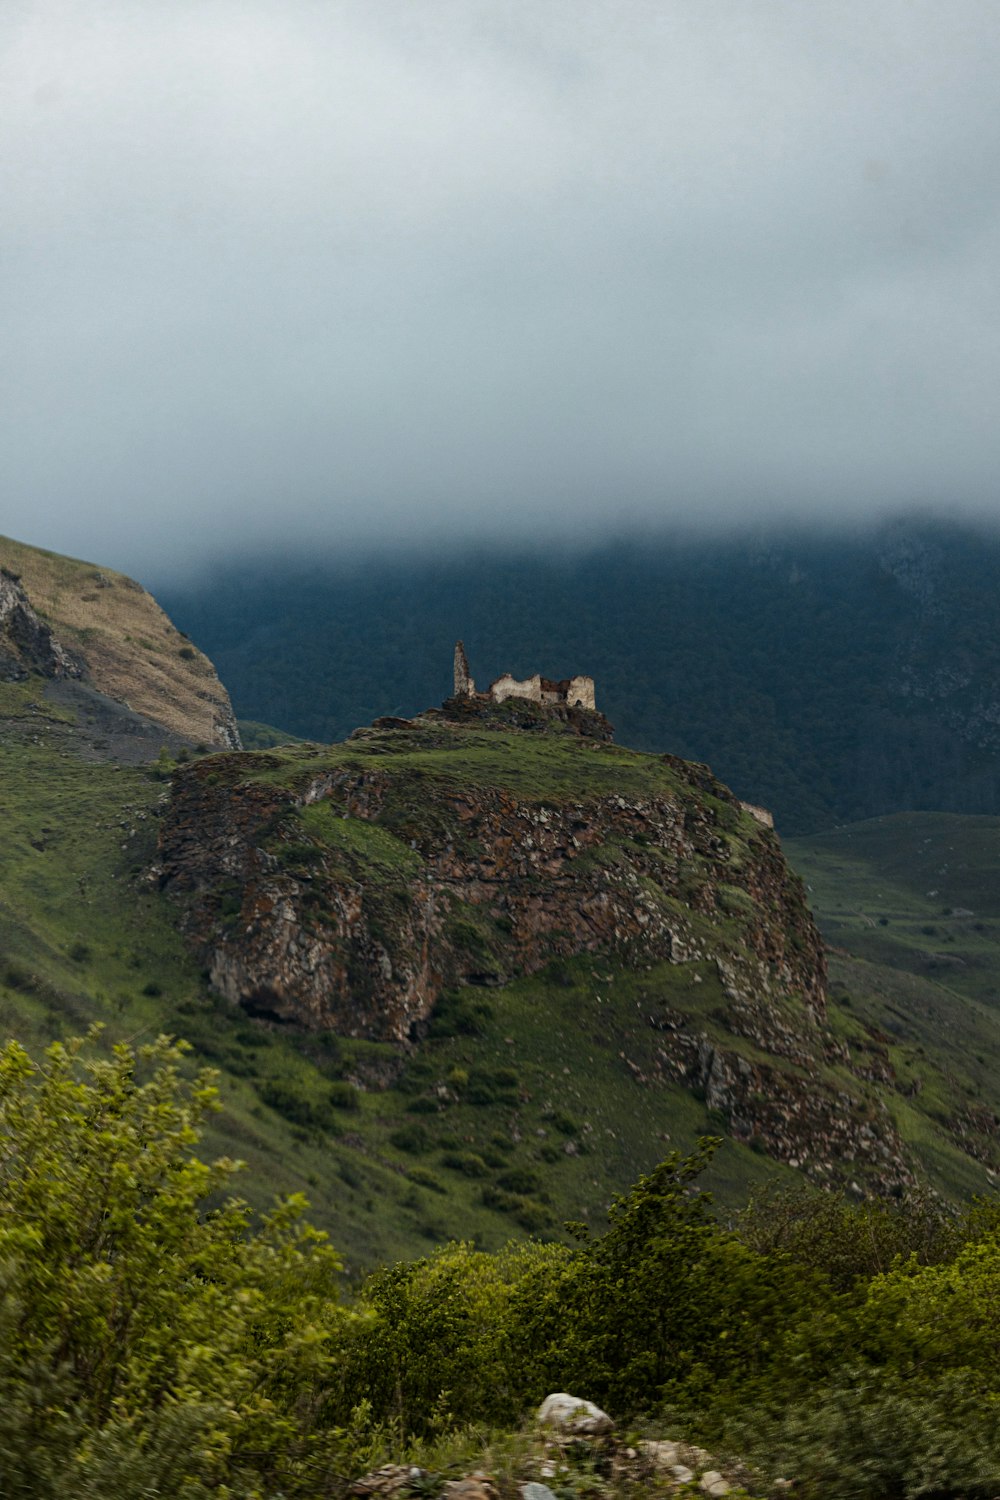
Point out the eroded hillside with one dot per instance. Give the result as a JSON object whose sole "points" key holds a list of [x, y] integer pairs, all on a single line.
{"points": [[99, 629], [359, 888]]}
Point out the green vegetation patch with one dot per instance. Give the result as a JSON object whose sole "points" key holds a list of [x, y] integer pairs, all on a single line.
{"points": [[363, 843], [536, 767]]}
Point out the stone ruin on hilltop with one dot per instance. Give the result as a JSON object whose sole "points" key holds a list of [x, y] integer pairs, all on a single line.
{"points": [[574, 692]]}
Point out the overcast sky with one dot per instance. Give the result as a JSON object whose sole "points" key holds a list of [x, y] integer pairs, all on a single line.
{"points": [[358, 270]]}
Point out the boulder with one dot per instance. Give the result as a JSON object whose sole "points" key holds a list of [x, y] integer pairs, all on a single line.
{"points": [[699, 1457], [389, 1480], [661, 1455], [681, 1474], [574, 1416], [475, 1487], [712, 1483], [535, 1491]]}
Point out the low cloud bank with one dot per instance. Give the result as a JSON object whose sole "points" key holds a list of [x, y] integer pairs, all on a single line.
{"points": [[340, 276]]}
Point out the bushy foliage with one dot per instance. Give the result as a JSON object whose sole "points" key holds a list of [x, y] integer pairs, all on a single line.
{"points": [[871, 1434], [448, 1332], [154, 1340], [667, 1302], [854, 1348], [147, 1328], [846, 1242]]}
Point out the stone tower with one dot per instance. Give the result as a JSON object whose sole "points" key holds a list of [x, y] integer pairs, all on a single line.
{"points": [[464, 685]]}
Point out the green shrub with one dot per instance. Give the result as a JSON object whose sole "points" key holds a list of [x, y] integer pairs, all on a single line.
{"points": [[17, 977], [871, 1434], [424, 1106], [500, 1200], [847, 1242], [459, 1013], [532, 1216], [497, 1086], [441, 1330], [423, 1178], [294, 853], [344, 1096], [286, 1099], [415, 1138], [147, 1344], [520, 1180], [465, 1161]]}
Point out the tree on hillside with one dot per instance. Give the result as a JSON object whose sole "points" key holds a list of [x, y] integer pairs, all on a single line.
{"points": [[151, 1337]]}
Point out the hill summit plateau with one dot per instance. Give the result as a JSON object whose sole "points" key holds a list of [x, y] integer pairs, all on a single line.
{"points": [[366, 888]]}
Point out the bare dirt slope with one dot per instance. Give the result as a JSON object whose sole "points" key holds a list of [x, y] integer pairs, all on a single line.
{"points": [[131, 651]]}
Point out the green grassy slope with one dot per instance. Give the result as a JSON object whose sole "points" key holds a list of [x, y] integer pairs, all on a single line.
{"points": [[910, 905], [526, 1105], [539, 1117]]}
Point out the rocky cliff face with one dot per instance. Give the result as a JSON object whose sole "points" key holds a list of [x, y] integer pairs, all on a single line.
{"points": [[349, 888], [26, 643], [347, 893]]}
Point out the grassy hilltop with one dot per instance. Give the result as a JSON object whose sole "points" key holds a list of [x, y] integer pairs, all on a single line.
{"points": [[523, 1105], [550, 1064], [86, 937]]}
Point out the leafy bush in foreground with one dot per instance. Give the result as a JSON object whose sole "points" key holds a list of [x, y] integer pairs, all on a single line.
{"points": [[149, 1342], [155, 1341]]}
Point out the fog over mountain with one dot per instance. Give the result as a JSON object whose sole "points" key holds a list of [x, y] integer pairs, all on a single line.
{"points": [[352, 272], [829, 677]]}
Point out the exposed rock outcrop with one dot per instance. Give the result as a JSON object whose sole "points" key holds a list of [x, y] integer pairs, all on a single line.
{"points": [[356, 921], [26, 642], [65, 619], [350, 888]]}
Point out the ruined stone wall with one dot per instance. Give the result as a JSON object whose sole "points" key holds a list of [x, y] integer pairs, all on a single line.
{"points": [[576, 692], [763, 817], [464, 685], [580, 692], [509, 687]]}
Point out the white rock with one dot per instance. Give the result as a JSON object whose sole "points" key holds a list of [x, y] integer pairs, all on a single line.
{"points": [[712, 1483], [573, 1415], [660, 1455], [681, 1473]]}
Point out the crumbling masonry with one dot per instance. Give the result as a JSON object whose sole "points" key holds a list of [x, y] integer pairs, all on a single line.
{"points": [[575, 692]]}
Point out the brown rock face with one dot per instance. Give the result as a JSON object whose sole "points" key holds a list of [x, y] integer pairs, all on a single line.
{"points": [[26, 643], [105, 628], [346, 890]]}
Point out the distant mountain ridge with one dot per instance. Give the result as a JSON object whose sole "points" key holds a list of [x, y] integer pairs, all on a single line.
{"points": [[830, 678]]}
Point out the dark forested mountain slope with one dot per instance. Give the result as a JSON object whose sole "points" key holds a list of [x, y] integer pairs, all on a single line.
{"points": [[830, 678]]}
